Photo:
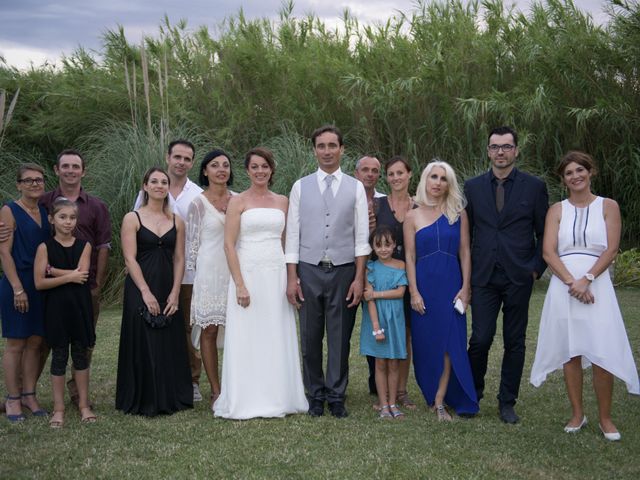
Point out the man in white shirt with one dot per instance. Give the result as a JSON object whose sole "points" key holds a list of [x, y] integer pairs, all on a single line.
{"points": [[326, 252], [181, 192]]}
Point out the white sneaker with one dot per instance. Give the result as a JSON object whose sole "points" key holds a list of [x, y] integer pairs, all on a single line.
{"points": [[197, 396]]}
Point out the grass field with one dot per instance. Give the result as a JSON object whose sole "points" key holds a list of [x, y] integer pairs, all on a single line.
{"points": [[193, 444]]}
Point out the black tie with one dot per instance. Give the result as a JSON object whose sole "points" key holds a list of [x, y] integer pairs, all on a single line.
{"points": [[500, 194]]}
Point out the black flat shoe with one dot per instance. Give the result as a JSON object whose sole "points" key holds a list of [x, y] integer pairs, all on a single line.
{"points": [[508, 414]]}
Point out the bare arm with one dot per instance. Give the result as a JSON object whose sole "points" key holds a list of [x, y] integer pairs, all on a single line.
{"points": [[409, 233], [129, 251], [20, 300], [231, 232], [464, 255], [178, 269], [373, 313]]}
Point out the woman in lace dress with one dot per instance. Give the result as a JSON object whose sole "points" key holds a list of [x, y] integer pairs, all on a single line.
{"points": [[205, 256]]}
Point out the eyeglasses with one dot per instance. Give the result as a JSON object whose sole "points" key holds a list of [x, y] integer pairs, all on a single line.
{"points": [[31, 181], [507, 147]]}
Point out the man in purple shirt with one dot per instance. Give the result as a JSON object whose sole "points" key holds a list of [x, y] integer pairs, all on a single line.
{"points": [[94, 226]]}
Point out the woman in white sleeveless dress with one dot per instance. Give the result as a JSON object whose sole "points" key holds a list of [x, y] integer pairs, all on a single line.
{"points": [[261, 367], [581, 323], [205, 256]]}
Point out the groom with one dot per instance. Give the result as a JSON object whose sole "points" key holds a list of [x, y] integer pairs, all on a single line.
{"points": [[326, 252]]}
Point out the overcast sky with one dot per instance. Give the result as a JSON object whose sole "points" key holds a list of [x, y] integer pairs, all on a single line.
{"points": [[40, 30]]}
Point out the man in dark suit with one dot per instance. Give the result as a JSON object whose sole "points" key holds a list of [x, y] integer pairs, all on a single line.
{"points": [[506, 209]]}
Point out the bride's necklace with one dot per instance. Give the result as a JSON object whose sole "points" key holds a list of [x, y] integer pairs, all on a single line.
{"points": [[583, 203]]}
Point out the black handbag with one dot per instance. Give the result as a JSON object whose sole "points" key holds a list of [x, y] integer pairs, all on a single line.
{"points": [[155, 321]]}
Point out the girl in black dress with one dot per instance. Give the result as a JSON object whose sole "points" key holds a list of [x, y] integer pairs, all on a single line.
{"points": [[61, 269]]}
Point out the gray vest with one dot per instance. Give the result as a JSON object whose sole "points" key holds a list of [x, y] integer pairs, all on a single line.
{"points": [[326, 228]]}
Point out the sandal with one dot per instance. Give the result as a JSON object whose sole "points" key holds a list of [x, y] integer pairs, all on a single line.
{"points": [[395, 412], [57, 419], [385, 413], [405, 401], [16, 417], [442, 414], [87, 415], [41, 412]]}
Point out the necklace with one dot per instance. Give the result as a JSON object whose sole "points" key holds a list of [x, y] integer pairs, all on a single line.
{"points": [[395, 209], [220, 203], [32, 210]]}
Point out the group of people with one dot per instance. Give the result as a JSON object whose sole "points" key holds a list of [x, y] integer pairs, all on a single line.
{"points": [[208, 267]]}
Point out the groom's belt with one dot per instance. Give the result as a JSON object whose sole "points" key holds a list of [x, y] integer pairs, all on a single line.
{"points": [[328, 265]]}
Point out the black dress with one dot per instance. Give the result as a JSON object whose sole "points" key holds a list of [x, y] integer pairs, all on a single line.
{"points": [[154, 376], [68, 313]]}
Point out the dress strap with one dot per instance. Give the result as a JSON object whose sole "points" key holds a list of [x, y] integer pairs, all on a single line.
{"points": [[138, 215], [174, 219]]}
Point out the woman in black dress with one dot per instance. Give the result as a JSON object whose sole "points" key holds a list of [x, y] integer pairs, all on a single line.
{"points": [[153, 367], [390, 211]]}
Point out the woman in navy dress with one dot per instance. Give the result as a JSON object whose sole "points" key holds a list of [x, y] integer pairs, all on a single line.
{"points": [[20, 303], [438, 263]]}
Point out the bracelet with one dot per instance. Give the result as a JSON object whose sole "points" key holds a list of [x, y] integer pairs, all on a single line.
{"points": [[18, 293], [378, 332], [47, 270]]}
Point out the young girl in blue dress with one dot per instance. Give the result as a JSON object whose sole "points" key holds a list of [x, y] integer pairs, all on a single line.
{"points": [[382, 333], [61, 269]]}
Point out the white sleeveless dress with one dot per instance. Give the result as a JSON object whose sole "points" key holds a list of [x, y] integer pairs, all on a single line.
{"points": [[261, 374], [569, 328]]}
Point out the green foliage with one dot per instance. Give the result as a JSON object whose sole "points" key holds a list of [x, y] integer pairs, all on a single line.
{"points": [[427, 83], [627, 269]]}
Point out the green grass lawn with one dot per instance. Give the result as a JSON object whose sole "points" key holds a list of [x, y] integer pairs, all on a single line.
{"points": [[193, 444]]}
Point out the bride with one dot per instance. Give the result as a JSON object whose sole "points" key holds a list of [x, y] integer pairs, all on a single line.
{"points": [[261, 366]]}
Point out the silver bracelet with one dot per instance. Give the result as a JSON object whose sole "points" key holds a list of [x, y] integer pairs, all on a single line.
{"points": [[378, 332]]}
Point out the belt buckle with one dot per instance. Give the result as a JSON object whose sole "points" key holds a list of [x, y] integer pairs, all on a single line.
{"points": [[326, 264]]}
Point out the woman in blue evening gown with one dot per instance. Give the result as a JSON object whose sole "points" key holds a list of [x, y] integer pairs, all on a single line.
{"points": [[439, 270]]}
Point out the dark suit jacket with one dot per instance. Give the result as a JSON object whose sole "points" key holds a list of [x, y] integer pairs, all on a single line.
{"points": [[512, 237]]}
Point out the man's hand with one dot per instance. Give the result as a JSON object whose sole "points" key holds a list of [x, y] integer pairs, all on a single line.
{"points": [[355, 293]]}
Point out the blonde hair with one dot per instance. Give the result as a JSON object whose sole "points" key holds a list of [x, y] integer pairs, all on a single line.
{"points": [[454, 201]]}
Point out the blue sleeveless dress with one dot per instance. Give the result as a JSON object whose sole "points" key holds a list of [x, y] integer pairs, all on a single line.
{"points": [[26, 238], [441, 329]]}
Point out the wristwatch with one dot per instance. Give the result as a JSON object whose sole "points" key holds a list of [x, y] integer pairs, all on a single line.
{"points": [[589, 276]]}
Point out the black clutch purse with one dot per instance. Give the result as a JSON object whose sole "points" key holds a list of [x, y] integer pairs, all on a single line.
{"points": [[155, 321]]}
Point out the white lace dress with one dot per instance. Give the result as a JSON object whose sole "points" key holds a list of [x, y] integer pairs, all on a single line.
{"points": [[569, 328], [261, 374], [205, 256]]}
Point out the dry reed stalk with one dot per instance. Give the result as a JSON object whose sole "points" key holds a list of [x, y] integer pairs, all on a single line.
{"points": [[145, 81], [129, 93]]}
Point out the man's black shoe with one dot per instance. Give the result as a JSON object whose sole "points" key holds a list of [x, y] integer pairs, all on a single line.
{"points": [[508, 414], [337, 410], [316, 408]]}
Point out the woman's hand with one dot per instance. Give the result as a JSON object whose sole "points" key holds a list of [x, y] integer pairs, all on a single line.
{"points": [[21, 302], [379, 335], [242, 296], [172, 304], [417, 303], [151, 303], [464, 295], [579, 289]]}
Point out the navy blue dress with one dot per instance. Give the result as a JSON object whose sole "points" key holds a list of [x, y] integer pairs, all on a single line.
{"points": [[441, 329], [26, 238]]}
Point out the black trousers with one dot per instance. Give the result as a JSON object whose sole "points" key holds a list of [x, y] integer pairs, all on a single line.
{"points": [[325, 309], [485, 306]]}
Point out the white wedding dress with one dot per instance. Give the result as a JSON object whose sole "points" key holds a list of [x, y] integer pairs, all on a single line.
{"points": [[569, 328], [261, 366]]}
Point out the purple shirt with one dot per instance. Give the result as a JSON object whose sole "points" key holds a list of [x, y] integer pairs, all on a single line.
{"points": [[94, 224]]}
